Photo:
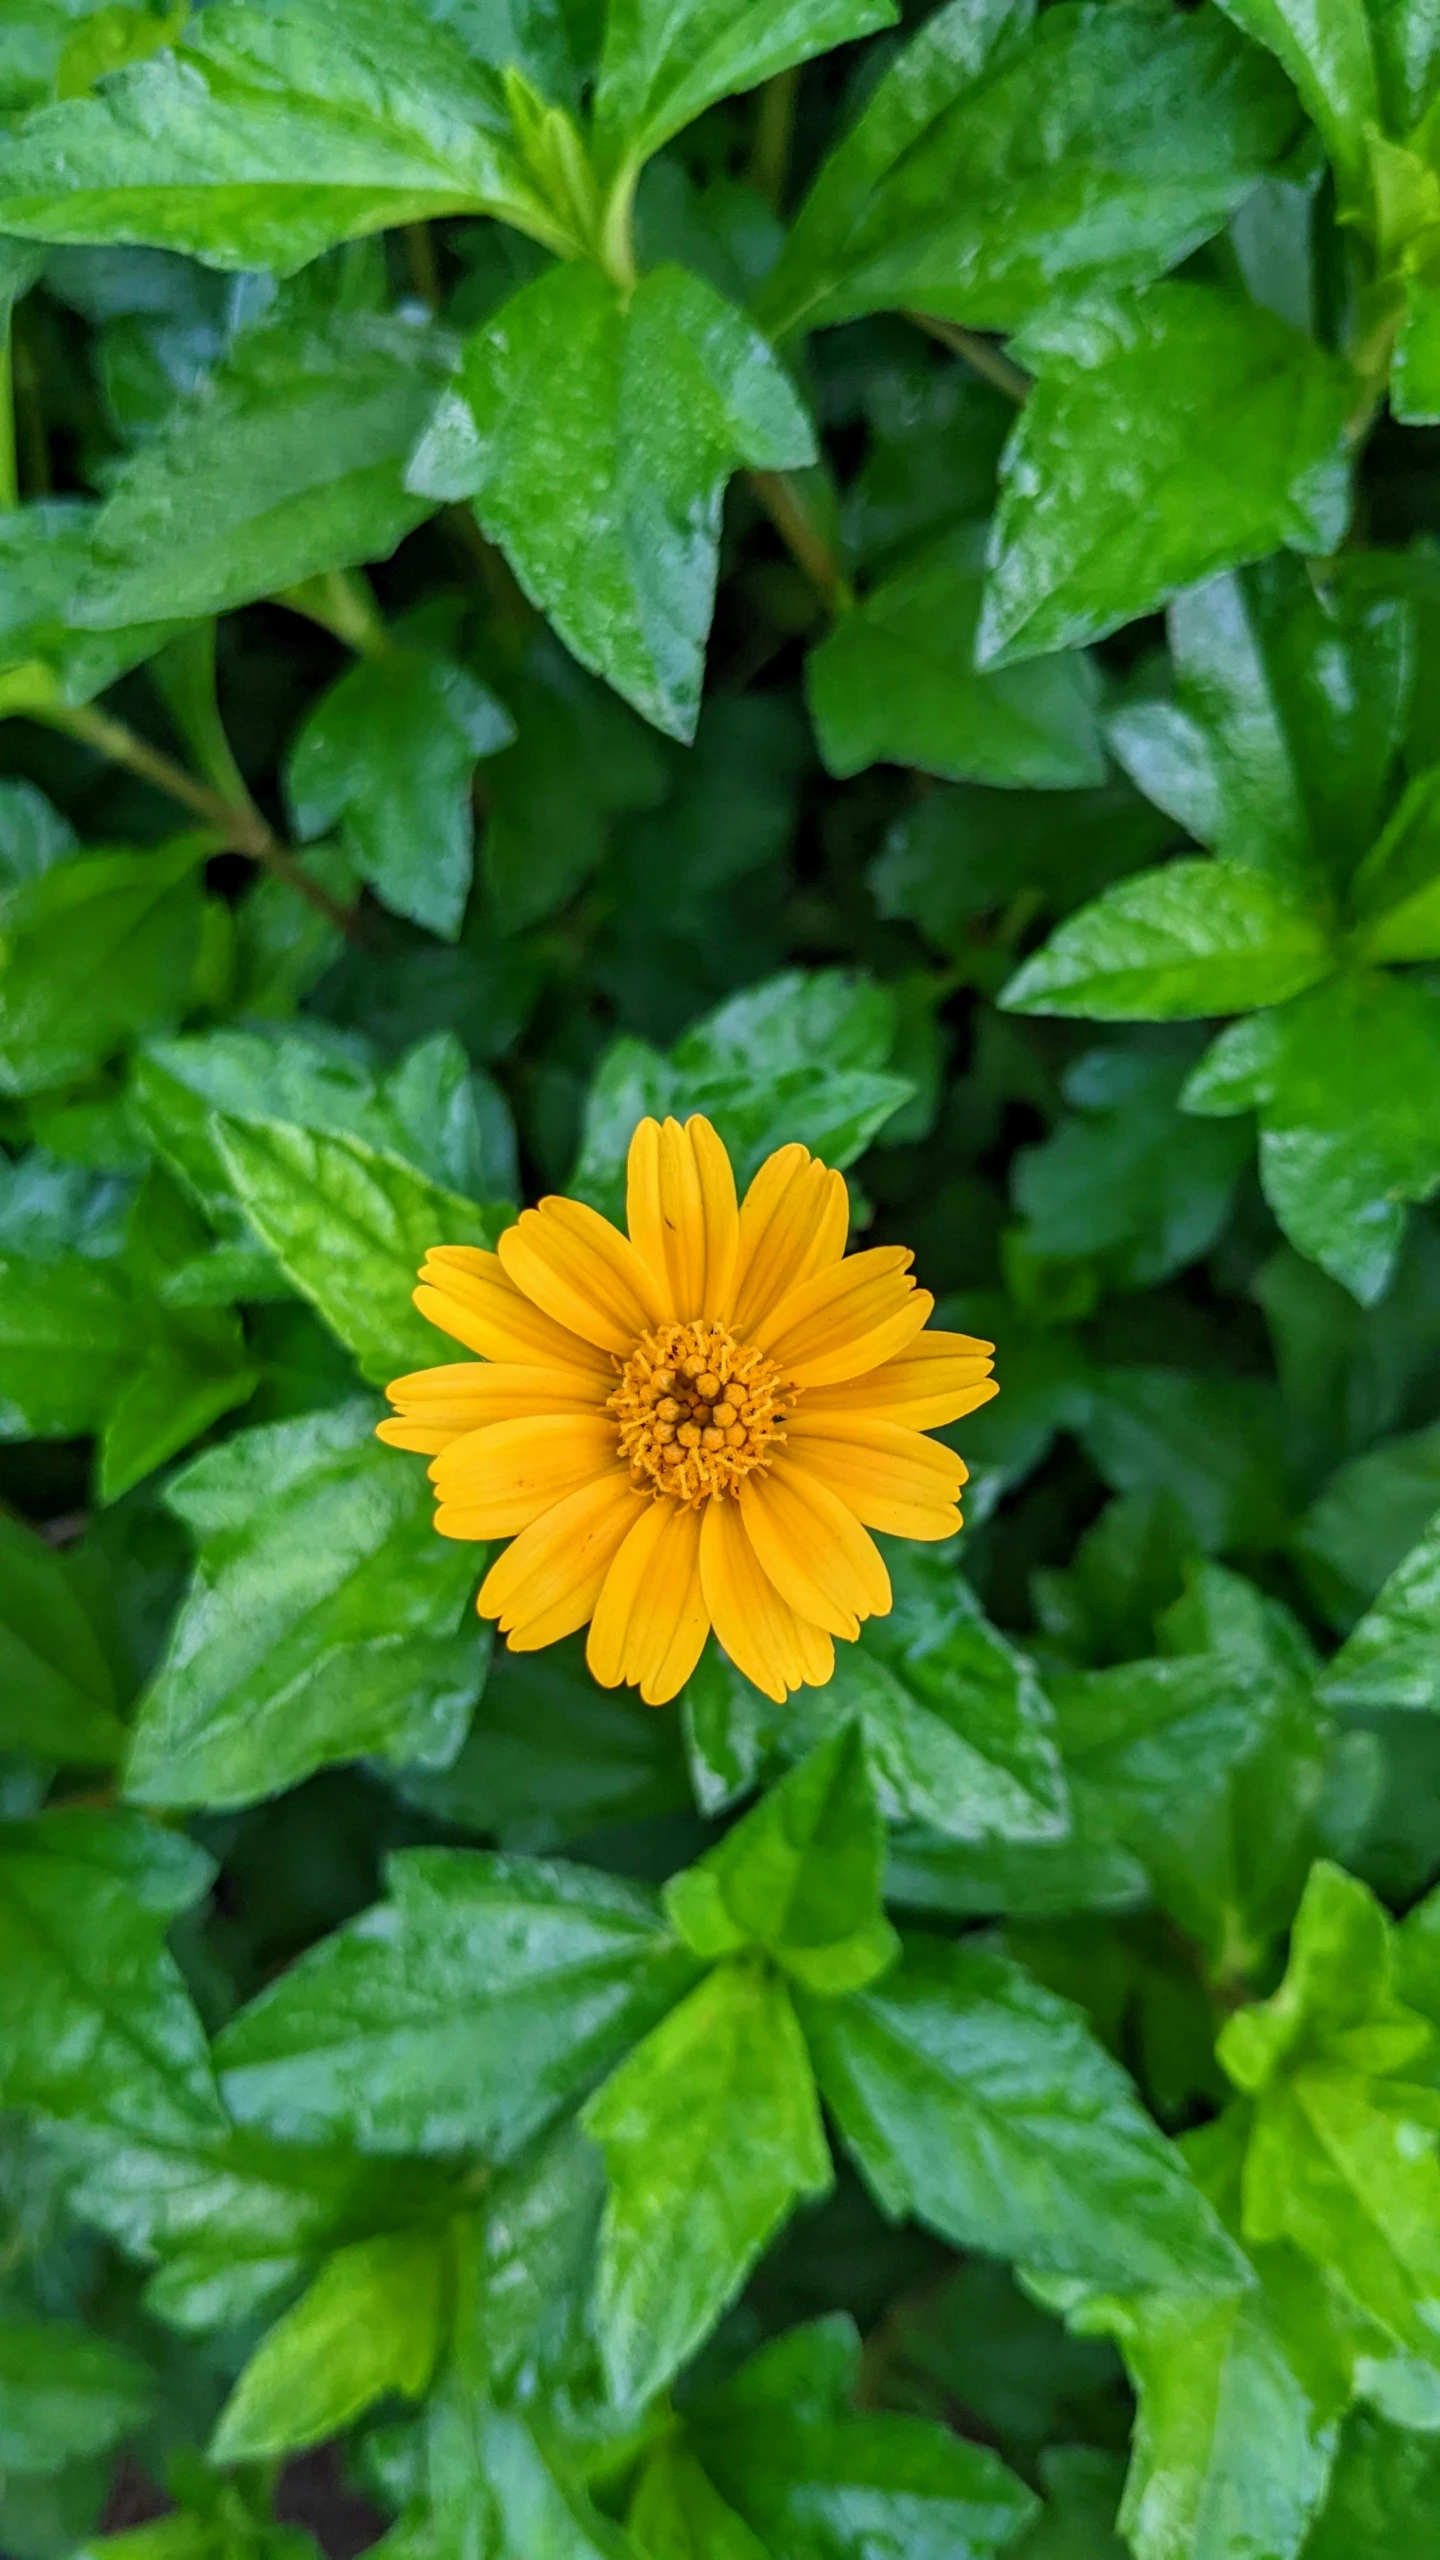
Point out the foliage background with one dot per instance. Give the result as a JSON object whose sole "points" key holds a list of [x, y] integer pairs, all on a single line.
{"points": [[880, 582]]}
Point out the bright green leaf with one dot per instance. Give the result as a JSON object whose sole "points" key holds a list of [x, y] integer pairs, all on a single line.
{"points": [[1190, 939], [372, 2322]]}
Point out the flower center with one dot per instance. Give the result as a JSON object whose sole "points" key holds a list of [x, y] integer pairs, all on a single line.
{"points": [[697, 1409]]}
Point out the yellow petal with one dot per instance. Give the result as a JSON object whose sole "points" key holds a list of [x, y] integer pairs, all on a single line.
{"points": [[813, 1548], [845, 1320], [935, 1379], [500, 1479], [893, 1479], [680, 1209], [548, 1580], [794, 1221], [765, 1638], [436, 1406], [583, 1272], [465, 1292], [650, 1620]]}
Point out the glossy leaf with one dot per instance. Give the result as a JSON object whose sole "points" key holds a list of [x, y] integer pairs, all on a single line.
{"points": [[350, 1227], [662, 67], [711, 2134], [1395, 895], [600, 478], [325, 1620], [1117, 490], [1191, 939], [488, 1994], [894, 683], [1392, 1659], [268, 135], [95, 952], [979, 2102], [1344, 1085], [1001, 165]]}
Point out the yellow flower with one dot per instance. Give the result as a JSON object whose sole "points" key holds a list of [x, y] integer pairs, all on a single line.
{"points": [[694, 1426]]}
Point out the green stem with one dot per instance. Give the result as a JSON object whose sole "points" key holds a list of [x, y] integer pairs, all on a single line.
{"points": [[9, 476], [617, 238], [981, 354], [342, 602], [241, 830], [774, 133], [786, 508], [421, 261]]}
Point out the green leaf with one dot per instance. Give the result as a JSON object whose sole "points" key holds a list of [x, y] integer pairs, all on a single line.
{"points": [[1000, 167], [1119, 485], [1392, 1659], [1081, 2491], [57, 1689], [711, 2133], [1212, 1440], [978, 2102], [1190, 939], [1363, 1523], [800, 1058], [350, 1227], [269, 134], [1347, 1087], [1125, 1180], [1382, 2497], [799, 1877], [222, 2525], [69, 1334], [64, 2394], [191, 1366], [894, 683], [1289, 703], [92, 953], [595, 435], [1395, 894], [581, 762], [391, 749], [1415, 371], [325, 1620], [677, 2513], [1342, 2151], [372, 2322], [955, 855], [551, 1757], [286, 462], [96, 2025], [1329, 53], [46, 656], [487, 1995], [812, 2474], [958, 1732], [663, 66]]}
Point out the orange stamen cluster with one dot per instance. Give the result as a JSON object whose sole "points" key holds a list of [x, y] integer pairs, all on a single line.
{"points": [[697, 1410]]}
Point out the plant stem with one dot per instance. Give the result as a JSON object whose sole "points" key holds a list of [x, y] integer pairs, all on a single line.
{"points": [[421, 261], [241, 830], [980, 353], [774, 133], [786, 508], [342, 602]]}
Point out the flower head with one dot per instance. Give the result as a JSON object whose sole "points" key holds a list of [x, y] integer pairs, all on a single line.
{"points": [[696, 1425]]}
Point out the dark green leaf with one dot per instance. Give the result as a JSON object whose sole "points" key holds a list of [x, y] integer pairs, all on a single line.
{"points": [[46, 657], [1384, 2497], [595, 436], [57, 1689], [390, 749], [326, 1620], [1392, 1659], [490, 1993], [895, 683], [1126, 1180], [1346, 1083], [711, 2133], [814, 2476], [1120, 484]]}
